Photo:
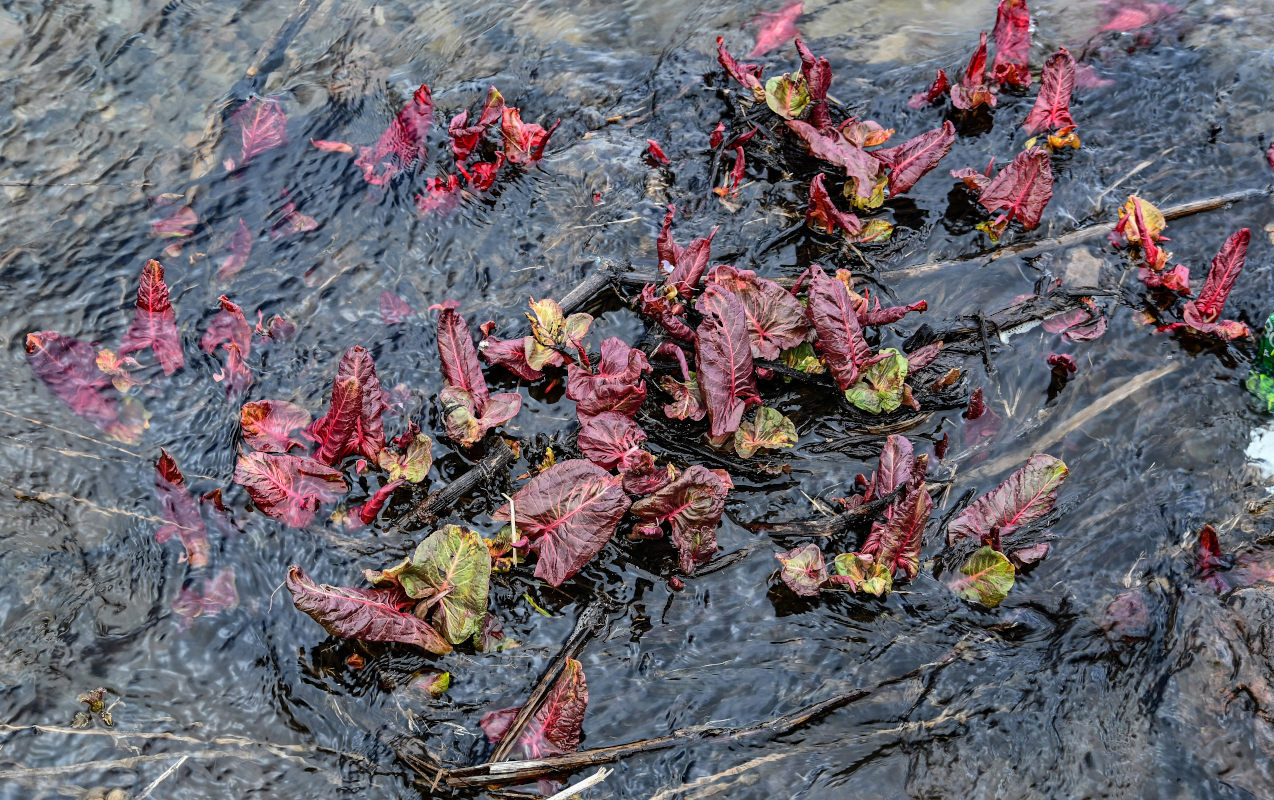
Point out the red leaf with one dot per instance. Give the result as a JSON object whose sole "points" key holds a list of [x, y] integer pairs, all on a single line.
{"points": [[616, 386], [69, 368], [353, 421], [776, 320], [640, 474], [1024, 497], [922, 357], [1012, 36], [823, 215], [1078, 325], [440, 196], [1023, 188], [973, 90], [688, 263], [723, 360], [402, 143], [292, 222], [687, 402], [896, 542], [656, 153], [569, 511], [1176, 279], [524, 142], [262, 127], [865, 171], [608, 438], [240, 249], [775, 28], [465, 137], [818, 77], [267, 425], [228, 325], [460, 367], [236, 374], [370, 509], [748, 75], [692, 506], [1222, 275], [977, 405], [154, 323], [897, 463], [510, 354], [369, 615], [180, 224], [180, 511], [554, 729], [393, 309], [218, 595], [885, 316], [1062, 361], [804, 571], [483, 174], [288, 487], [1130, 15], [1052, 105], [840, 336], [936, 90], [908, 162]]}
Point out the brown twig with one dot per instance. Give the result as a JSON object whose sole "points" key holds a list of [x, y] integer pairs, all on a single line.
{"points": [[515, 772]]}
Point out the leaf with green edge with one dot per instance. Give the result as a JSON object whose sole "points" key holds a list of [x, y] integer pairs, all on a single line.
{"points": [[569, 512], [840, 336], [353, 421], [154, 324], [1024, 497], [896, 541], [451, 567], [288, 487], [465, 424], [787, 95], [723, 360], [803, 569], [180, 512], [551, 332], [554, 729], [692, 506], [369, 615], [268, 425], [988, 577], [803, 358], [880, 387], [862, 574], [411, 465], [768, 430], [776, 319]]}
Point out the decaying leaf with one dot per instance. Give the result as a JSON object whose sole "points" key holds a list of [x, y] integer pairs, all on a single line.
{"points": [[787, 95], [554, 729], [768, 430], [410, 460]]}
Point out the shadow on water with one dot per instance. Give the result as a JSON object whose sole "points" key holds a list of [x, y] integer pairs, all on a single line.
{"points": [[1058, 693]]}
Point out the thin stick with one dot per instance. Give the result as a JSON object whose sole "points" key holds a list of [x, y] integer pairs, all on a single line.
{"points": [[588, 783], [43, 424], [146, 792], [589, 623], [87, 767], [828, 526], [514, 772], [486, 470]]}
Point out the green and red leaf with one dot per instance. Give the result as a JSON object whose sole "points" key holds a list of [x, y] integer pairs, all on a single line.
{"points": [[1024, 497], [988, 577], [803, 569]]}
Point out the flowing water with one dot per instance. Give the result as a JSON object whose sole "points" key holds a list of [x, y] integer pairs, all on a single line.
{"points": [[107, 105]]}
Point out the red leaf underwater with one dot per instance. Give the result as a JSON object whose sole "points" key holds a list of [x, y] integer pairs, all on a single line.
{"points": [[1052, 106], [402, 143], [775, 28], [287, 487], [268, 425], [554, 729], [393, 309], [465, 137], [69, 368], [1012, 36], [154, 323], [524, 142], [262, 126], [180, 511]]}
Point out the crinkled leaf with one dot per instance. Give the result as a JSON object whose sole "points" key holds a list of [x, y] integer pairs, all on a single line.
{"points": [[822, 214], [402, 143], [885, 316], [154, 323], [268, 425], [552, 332], [818, 77], [692, 506], [723, 360], [452, 564], [510, 354], [775, 28], [896, 466], [768, 430], [688, 263], [1024, 497], [524, 142], [911, 160], [465, 137], [896, 541], [803, 358], [353, 421], [69, 368], [1022, 189], [288, 487], [607, 438], [974, 90], [180, 511], [686, 403], [1052, 107], [880, 386], [369, 615], [641, 475], [866, 174], [988, 577], [617, 385], [776, 319], [554, 729], [262, 126], [862, 574], [803, 569], [440, 196], [413, 464], [787, 95], [1012, 35], [119, 369], [569, 511], [840, 336], [465, 424]]}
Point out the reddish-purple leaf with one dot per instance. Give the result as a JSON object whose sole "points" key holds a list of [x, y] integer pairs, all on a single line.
{"points": [[465, 137], [616, 386], [822, 214], [268, 425], [180, 512], [402, 143], [1024, 497], [1222, 275], [460, 367], [886, 316], [865, 172], [288, 487], [818, 78], [973, 90], [692, 506], [1078, 325], [1022, 188], [69, 368], [922, 357], [467, 423], [179, 224], [370, 509], [776, 320], [775, 28], [229, 325], [154, 323], [1225, 329], [641, 475], [440, 196], [840, 336], [510, 354], [908, 162], [1131, 15], [236, 374], [936, 90], [748, 75], [804, 571], [218, 595], [554, 729], [1052, 108], [896, 542], [569, 511], [608, 438], [262, 126], [393, 309], [687, 402], [353, 421], [524, 142], [656, 153], [688, 263], [292, 222], [369, 615], [240, 249], [723, 360], [1025, 557], [1176, 279], [1063, 361], [657, 306], [897, 463], [1012, 36]]}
